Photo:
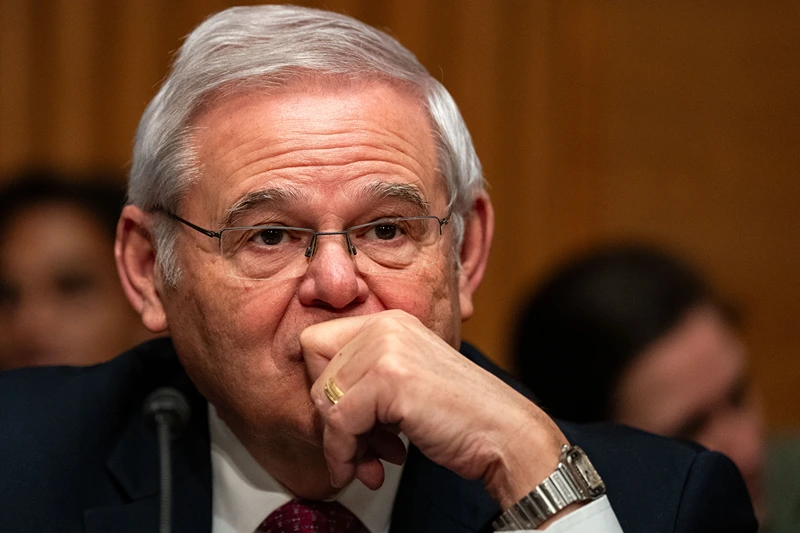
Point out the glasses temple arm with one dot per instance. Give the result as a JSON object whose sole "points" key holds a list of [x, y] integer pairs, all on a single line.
{"points": [[207, 232]]}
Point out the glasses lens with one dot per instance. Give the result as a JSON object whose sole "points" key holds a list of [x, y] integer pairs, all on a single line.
{"points": [[265, 252], [276, 252], [394, 244]]}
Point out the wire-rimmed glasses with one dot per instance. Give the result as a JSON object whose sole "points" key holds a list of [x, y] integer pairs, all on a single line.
{"points": [[280, 252]]}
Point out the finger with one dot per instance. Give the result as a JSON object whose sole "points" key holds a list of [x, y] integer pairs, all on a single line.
{"points": [[357, 456], [382, 439], [370, 472], [342, 456], [347, 425], [356, 411], [323, 342], [348, 366], [327, 338], [367, 467], [350, 422]]}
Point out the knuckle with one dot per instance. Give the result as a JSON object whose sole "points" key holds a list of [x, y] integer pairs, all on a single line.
{"points": [[335, 420], [320, 400], [404, 318], [381, 320], [393, 369], [397, 314], [391, 319]]}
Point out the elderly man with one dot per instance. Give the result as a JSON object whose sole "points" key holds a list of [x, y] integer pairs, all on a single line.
{"points": [[308, 221]]}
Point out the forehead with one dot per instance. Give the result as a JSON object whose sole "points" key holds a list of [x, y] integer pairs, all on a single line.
{"points": [[324, 145], [78, 225], [45, 238]]}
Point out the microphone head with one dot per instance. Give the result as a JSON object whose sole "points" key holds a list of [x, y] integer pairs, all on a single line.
{"points": [[167, 404]]}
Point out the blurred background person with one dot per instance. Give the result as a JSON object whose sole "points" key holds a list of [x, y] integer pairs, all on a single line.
{"points": [[641, 339], [61, 302]]}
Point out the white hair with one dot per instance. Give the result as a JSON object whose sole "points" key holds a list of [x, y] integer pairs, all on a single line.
{"points": [[267, 47]]}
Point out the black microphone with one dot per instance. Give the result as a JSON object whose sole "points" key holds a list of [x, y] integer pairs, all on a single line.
{"points": [[167, 412]]}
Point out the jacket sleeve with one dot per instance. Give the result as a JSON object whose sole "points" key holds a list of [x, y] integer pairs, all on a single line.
{"points": [[714, 498]]}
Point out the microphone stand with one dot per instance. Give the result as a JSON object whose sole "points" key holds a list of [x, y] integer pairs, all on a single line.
{"points": [[167, 411], [164, 433]]}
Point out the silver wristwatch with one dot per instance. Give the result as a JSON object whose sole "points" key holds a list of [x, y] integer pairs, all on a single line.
{"points": [[574, 480]]}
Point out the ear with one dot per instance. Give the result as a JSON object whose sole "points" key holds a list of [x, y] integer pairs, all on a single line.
{"points": [[135, 254], [478, 233]]}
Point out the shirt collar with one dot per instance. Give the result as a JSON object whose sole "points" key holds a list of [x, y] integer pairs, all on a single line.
{"points": [[244, 493]]}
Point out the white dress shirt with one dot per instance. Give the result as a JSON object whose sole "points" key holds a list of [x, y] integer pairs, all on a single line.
{"points": [[244, 494]]}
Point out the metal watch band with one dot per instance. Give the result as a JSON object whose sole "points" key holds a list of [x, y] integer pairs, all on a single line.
{"points": [[560, 489]]}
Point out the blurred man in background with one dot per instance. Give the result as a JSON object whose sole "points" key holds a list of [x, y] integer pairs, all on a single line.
{"points": [[61, 302]]}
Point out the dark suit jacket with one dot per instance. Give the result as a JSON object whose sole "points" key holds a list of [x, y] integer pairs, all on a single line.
{"points": [[76, 456]]}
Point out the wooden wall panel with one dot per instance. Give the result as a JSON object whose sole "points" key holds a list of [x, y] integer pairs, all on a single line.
{"points": [[16, 66], [73, 82], [674, 122]]}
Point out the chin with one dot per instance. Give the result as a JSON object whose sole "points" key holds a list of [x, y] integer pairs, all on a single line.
{"points": [[294, 420]]}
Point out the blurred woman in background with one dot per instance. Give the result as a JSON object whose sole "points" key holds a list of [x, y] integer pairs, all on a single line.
{"points": [[640, 339]]}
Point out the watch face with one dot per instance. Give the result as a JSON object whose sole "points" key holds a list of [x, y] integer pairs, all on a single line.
{"points": [[594, 485]]}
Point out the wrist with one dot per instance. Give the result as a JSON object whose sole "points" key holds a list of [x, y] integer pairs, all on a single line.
{"points": [[515, 473], [573, 483]]}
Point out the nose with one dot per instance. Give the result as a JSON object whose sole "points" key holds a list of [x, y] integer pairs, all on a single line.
{"points": [[332, 279]]}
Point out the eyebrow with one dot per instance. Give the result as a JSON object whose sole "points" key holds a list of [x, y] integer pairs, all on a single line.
{"points": [[277, 197], [405, 192], [273, 197]]}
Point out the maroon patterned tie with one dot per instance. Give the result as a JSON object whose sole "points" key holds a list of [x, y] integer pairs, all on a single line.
{"points": [[307, 516]]}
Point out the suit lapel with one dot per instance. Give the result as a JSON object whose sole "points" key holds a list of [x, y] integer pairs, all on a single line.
{"points": [[134, 465], [191, 513]]}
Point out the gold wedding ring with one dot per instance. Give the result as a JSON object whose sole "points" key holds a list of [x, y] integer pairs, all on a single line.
{"points": [[333, 392]]}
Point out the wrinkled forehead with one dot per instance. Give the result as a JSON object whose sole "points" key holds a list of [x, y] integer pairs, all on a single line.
{"points": [[317, 144]]}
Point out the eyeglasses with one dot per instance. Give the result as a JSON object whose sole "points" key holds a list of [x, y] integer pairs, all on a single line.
{"points": [[281, 252]]}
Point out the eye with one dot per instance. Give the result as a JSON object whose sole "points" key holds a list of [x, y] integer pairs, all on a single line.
{"points": [[386, 232], [73, 284], [269, 237], [9, 296]]}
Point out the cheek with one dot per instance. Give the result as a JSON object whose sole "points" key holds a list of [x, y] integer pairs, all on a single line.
{"points": [[240, 353], [236, 309], [430, 294], [227, 331]]}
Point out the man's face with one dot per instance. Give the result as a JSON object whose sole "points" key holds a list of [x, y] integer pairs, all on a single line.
{"points": [[327, 158]]}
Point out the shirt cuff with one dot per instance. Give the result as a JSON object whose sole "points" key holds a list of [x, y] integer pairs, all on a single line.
{"points": [[594, 517]]}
